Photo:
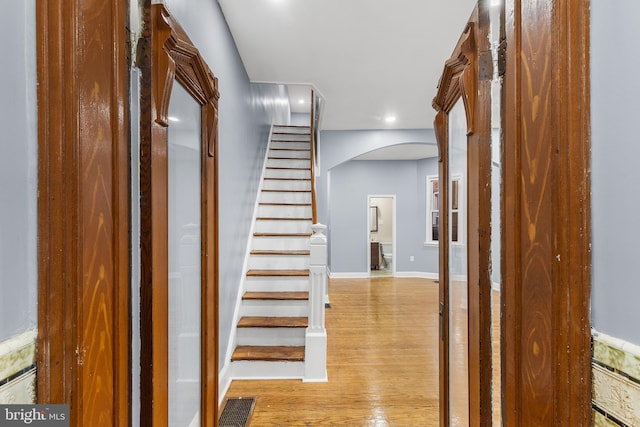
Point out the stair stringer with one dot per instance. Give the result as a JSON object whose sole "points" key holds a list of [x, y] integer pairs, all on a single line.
{"points": [[256, 369], [226, 372]]}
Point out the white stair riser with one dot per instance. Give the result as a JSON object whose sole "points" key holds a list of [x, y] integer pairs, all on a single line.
{"points": [[290, 154], [282, 226], [274, 308], [286, 185], [290, 129], [284, 211], [288, 173], [278, 262], [271, 336], [285, 197], [301, 136], [290, 144], [295, 156], [288, 163], [277, 284], [280, 243], [259, 370]]}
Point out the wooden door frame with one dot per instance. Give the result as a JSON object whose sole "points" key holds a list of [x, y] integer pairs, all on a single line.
{"points": [[546, 260], [545, 224], [167, 55], [460, 79], [83, 209]]}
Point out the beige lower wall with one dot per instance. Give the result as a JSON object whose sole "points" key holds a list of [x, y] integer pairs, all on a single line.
{"points": [[17, 369], [616, 382]]}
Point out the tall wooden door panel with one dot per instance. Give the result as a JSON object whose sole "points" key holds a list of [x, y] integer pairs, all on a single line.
{"points": [[463, 130], [179, 355]]}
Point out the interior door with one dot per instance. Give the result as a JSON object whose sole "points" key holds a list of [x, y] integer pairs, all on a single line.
{"points": [[463, 130], [178, 215]]}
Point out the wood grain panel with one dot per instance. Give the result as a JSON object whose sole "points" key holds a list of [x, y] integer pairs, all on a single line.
{"points": [[546, 216], [83, 209]]}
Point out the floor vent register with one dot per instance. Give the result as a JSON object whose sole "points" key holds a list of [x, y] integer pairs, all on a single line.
{"points": [[237, 412]]}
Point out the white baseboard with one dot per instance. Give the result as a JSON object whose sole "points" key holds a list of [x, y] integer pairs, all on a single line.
{"points": [[403, 274], [224, 382]]}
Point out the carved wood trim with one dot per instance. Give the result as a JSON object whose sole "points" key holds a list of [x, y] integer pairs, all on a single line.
{"points": [[166, 54], [458, 77], [178, 59], [83, 209]]}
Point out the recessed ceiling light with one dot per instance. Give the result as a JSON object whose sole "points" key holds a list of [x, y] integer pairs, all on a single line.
{"points": [[301, 101], [173, 119], [390, 119]]}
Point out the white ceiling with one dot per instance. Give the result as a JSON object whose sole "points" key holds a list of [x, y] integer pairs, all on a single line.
{"points": [[368, 58]]}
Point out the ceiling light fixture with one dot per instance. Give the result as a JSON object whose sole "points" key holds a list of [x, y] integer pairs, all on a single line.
{"points": [[390, 119], [301, 101]]}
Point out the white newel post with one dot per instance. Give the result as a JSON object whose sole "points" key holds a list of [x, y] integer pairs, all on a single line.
{"points": [[316, 337]]}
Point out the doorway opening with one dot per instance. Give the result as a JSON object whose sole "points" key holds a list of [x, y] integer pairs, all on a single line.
{"points": [[381, 235]]}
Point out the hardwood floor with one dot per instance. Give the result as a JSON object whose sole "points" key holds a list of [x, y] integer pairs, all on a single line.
{"points": [[382, 362]]}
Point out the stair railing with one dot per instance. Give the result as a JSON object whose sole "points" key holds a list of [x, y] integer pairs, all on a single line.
{"points": [[313, 125], [316, 334]]}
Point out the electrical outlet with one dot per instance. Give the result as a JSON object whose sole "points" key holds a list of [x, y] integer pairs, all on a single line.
{"points": [[411, 258]]}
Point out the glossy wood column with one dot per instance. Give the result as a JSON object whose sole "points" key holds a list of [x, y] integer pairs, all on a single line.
{"points": [[83, 209], [546, 215]]}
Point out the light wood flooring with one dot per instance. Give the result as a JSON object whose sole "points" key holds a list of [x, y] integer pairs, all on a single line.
{"points": [[382, 362]]}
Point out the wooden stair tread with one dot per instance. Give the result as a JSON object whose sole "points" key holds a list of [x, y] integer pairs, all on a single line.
{"points": [[287, 179], [294, 133], [272, 322], [285, 168], [276, 296], [278, 218], [282, 234], [282, 252], [285, 191], [284, 204], [269, 353], [288, 158], [271, 273]]}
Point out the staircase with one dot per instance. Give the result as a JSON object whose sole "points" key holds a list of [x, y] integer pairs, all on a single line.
{"points": [[273, 325]]}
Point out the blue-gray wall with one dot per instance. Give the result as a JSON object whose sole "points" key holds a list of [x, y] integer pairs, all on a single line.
{"points": [[615, 110], [245, 114], [18, 169], [351, 183], [337, 148]]}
